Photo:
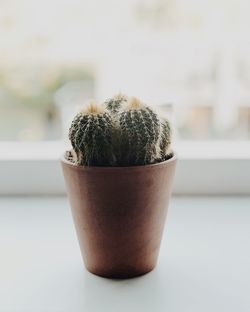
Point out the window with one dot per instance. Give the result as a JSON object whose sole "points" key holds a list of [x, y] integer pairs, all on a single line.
{"points": [[189, 58]]}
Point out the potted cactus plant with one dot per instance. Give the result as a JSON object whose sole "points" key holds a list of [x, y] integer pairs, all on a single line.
{"points": [[118, 177]]}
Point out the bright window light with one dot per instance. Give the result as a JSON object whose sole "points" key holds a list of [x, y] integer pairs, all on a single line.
{"points": [[190, 58]]}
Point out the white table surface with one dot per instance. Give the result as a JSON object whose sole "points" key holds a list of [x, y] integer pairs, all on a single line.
{"points": [[204, 263]]}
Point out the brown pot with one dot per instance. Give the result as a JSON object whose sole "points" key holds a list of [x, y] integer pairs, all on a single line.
{"points": [[119, 215]]}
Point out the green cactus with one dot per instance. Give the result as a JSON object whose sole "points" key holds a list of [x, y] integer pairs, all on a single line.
{"points": [[140, 130], [91, 137], [165, 138], [122, 132]]}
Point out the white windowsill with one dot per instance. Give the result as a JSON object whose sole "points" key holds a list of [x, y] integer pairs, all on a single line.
{"points": [[52, 150], [207, 168], [203, 264]]}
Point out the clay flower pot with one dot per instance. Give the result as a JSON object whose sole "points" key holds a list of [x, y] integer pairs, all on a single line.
{"points": [[119, 215]]}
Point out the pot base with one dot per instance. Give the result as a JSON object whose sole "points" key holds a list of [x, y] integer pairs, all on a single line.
{"points": [[122, 274]]}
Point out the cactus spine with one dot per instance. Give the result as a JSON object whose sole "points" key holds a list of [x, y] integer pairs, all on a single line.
{"points": [[140, 128], [91, 137]]}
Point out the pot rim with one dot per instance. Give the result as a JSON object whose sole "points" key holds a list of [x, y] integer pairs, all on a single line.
{"points": [[64, 161]]}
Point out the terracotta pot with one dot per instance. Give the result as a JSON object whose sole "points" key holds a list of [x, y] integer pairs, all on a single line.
{"points": [[119, 215]]}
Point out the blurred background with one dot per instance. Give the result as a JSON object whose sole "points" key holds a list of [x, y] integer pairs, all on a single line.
{"points": [[190, 58]]}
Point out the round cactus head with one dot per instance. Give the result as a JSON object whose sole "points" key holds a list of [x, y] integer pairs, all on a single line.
{"points": [[140, 129], [91, 136]]}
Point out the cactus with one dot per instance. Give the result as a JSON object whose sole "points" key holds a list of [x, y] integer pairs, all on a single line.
{"points": [[140, 129], [165, 138], [91, 137], [122, 132]]}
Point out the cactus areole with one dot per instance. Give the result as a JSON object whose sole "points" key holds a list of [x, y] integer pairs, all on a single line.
{"points": [[118, 175]]}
